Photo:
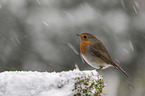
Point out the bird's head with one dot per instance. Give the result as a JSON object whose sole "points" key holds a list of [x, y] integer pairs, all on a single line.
{"points": [[87, 37]]}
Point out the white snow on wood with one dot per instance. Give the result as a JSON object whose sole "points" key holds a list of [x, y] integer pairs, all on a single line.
{"points": [[21, 83]]}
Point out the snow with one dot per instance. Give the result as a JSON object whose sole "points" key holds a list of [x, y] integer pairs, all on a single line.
{"points": [[73, 48], [23, 83], [130, 43], [38, 2], [135, 10], [44, 23], [125, 50]]}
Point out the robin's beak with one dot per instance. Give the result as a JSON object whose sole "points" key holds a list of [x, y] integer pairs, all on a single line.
{"points": [[78, 35]]}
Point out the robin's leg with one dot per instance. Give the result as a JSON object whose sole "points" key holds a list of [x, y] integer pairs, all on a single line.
{"points": [[99, 68]]}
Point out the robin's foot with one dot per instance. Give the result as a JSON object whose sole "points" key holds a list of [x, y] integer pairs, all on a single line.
{"points": [[99, 68]]}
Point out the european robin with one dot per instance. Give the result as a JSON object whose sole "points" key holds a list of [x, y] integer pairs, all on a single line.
{"points": [[95, 54]]}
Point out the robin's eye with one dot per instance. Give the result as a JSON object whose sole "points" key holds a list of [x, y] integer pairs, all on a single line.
{"points": [[85, 36]]}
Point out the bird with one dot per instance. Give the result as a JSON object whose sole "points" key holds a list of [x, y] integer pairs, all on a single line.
{"points": [[95, 54]]}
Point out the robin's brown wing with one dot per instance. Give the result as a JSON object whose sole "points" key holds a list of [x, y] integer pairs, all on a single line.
{"points": [[102, 55], [100, 51]]}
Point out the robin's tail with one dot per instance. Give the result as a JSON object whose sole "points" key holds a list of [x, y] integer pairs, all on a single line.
{"points": [[116, 66]]}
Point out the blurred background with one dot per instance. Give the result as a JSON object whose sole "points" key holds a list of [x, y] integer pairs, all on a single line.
{"points": [[40, 35]]}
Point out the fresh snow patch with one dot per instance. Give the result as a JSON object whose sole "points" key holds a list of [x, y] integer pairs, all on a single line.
{"points": [[21, 83]]}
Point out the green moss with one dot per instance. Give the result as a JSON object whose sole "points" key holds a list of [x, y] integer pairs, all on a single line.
{"points": [[88, 86]]}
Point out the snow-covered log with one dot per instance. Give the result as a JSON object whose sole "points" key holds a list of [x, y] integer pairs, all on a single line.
{"points": [[67, 83]]}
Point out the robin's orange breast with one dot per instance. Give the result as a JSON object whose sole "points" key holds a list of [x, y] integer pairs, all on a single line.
{"points": [[83, 46]]}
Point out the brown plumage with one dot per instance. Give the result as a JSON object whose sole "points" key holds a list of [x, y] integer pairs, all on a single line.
{"points": [[95, 53]]}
